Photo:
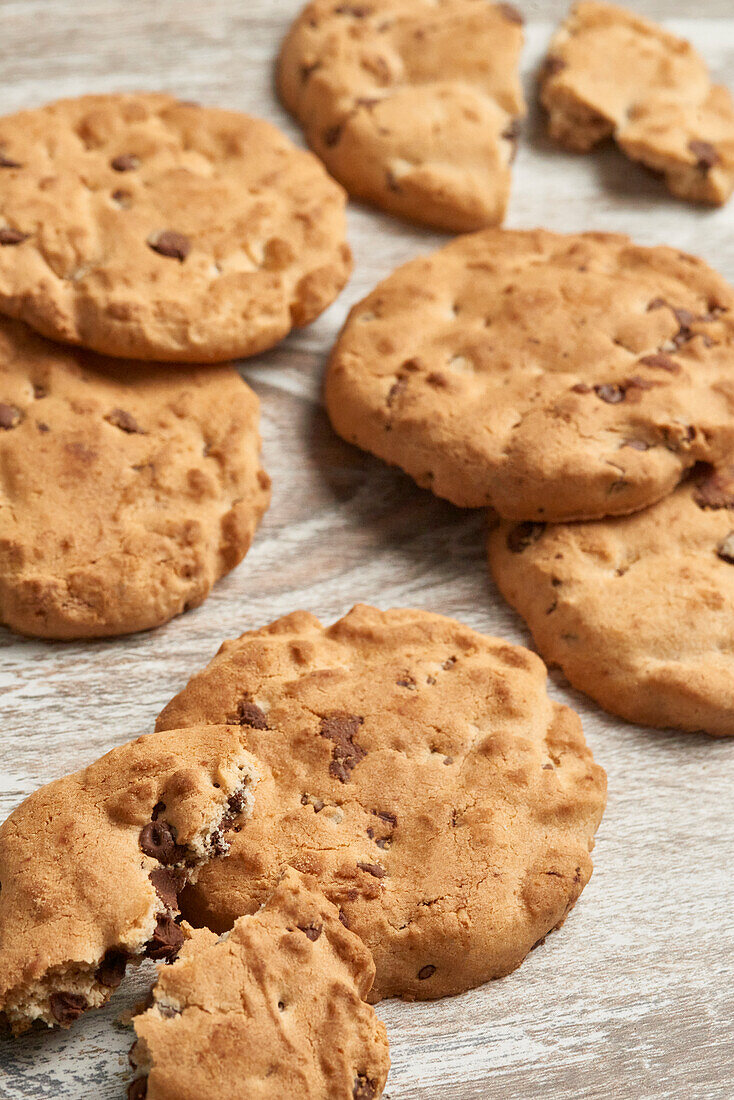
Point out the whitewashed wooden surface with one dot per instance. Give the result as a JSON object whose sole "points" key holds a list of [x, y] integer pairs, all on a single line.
{"points": [[634, 998]]}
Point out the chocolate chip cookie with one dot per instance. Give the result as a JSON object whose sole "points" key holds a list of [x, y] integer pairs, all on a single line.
{"points": [[638, 611], [274, 1009], [554, 377], [126, 490], [91, 865], [610, 73], [420, 771], [412, 105], [144, 227]]}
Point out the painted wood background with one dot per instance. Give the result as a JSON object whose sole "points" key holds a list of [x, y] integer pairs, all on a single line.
{"points": [[634, 998]]}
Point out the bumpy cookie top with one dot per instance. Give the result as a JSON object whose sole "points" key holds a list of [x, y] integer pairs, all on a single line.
{"points": [[554, 377], [125, 490], [91, 864], [275, 1009], [141, 226], [411, 104], [421, 772], [609, 72], [639, 611]]}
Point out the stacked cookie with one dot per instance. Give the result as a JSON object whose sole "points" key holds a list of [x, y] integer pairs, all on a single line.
{"points": [[143, 228]]}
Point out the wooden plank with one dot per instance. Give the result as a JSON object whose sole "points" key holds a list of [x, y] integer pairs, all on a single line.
{"points": [[634, 997]]}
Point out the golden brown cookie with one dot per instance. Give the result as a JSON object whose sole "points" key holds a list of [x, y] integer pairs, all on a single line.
{"points": [[144, 227], [638, 611], [411, 104], [610, 73], [554, 377], [274, 1009], [420, 771], [126, 490], [91, 865]]}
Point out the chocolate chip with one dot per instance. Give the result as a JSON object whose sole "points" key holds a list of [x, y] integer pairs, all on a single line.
{"points": [[166, 941], [10, 236], [373, 869], [158, 839], [42, 427], [705, 153], [364, 1088], [10, 416], [725, 549], [636, 444], [581, 387], [171, 244], [333, 135], [406, 681], [511, 14], [660, 362], [341, 729], [111, 970], [39, 391], [125, 421], [384, 815], [343, 918], [715, 489], [8, 162], [121, 197], [523, 535], [610, 393], [168, 882], [426, 972], [67, 1007], [395, 391], [356, 11], [125, 163], [311, 931], [685, 318], [138, 1089], [250, 714]]}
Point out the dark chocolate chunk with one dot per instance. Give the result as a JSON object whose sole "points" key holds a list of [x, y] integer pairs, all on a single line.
{"points": [[523, 535], [311, 931], [111, 970], [373, 869], [125, 421], [158, 839], [169, 243], [10, 416], [364, 1088], [341, 729], [166, 941], [426, 972], [250, 714], [67, 1007], [168, 883]]}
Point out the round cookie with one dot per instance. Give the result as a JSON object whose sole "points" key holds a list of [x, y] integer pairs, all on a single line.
{"points": [[144, 227], [412, 105], [274, 1010], [554, 377], [91, 866], [126, 491], [637, 611], [420, 771]]}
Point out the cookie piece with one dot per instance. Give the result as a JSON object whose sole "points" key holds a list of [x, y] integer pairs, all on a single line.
{"points": [[610, 73], [126, 491], [144, 227], [274, 1009], [421, 773], [638, 611], [91, 866], [554, 377], [412, 105]]}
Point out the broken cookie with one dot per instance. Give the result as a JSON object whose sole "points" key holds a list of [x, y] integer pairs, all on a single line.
{"points": [[412, 105], [419, 770], [91, 866], [610, 73], [275, 1008]]}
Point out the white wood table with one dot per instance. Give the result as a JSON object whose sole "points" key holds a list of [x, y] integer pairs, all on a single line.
{"points": [[634, 997]]}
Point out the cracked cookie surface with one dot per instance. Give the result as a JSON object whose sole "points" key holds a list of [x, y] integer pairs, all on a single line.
{"points": [[148, 228], [420, 771], [610, 73], [91, 865], [412, 105], [636, 611], [552, 376], [126, 490], [276, 1009]]}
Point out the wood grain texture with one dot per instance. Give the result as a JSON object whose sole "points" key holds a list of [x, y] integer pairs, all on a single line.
{"points": [[634, 997]]}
